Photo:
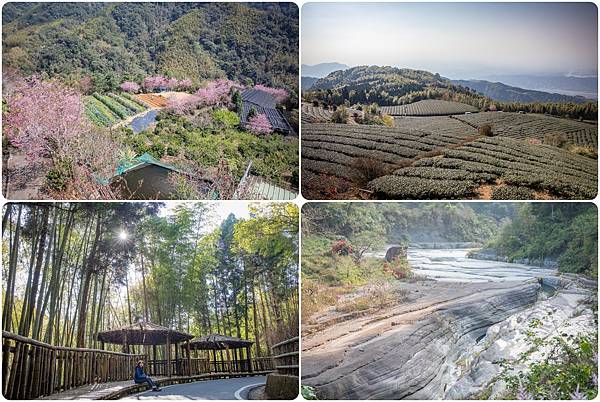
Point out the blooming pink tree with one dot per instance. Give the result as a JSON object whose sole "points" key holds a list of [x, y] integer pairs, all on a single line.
{"points": [[216, 92], [185, 84], [153, 82], [279, 94], [172, 83], [129, 86], [260, 124], [183, 105], [44, 117]]}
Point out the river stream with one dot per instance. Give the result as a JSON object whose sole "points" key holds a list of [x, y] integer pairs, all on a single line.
{"points": [[453, 265]]}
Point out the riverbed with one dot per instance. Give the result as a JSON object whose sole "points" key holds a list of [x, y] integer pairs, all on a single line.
{"points": [[443, 338]]}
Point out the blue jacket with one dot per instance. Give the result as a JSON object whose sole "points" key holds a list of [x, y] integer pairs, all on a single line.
{"points": [[139, 373]]}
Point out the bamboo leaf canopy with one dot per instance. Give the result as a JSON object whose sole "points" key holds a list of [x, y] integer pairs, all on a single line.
{"points": [[143, 333], [219, 342]]}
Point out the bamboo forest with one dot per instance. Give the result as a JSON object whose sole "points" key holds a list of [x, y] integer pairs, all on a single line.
{"points": [[191, 288]]}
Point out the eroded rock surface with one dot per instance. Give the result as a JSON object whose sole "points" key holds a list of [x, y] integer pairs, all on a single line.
{"points": [[444, 342]]}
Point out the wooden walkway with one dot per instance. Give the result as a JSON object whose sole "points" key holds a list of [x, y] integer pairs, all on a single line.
{"points": [[120, 389]]}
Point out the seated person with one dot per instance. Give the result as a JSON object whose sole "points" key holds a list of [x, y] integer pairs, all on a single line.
{"points": [[141, 377]]}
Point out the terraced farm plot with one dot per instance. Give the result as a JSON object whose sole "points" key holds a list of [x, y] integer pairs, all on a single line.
{"points": [[152, 100], [106, 110], [493, 163], [313, 114], [429, 107], [441, 125], [442, 158], [519, 125], [335, 149]]}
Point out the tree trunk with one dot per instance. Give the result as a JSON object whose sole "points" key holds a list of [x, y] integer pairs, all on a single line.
{"points": [[36, 274], [9, 298]]}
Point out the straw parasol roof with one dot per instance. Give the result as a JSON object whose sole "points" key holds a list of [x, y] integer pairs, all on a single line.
{"points": [[219, 342], [143, 333]]}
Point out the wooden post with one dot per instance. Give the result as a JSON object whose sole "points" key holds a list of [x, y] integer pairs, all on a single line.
{"points": [[189, 357], [177, 362], [155, 371], [168, 346], [249, 358], [214, 358], [125, 344], [228, 358]]}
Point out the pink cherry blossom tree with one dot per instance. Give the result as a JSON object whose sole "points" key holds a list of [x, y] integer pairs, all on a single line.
{"points": [[172, 83], [185, 84], [217, 92], [183, 105], [153, 82], [260, 124], [279, 94], [43, 117], [129, 86]]}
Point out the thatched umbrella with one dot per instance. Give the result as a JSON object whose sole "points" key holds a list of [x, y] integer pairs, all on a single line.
{"points": [[145, 333], [216, 342]]}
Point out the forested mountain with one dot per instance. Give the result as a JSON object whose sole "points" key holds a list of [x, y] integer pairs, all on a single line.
{"points": [[387, 86], [566, 232], [382, 85], [307, 82], [505, 93], [457, 222], [115, 42]]}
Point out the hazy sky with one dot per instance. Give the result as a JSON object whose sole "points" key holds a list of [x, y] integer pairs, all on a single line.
{"points": [[458, 40]]}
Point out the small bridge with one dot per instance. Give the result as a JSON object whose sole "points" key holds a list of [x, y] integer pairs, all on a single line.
{"points": [[32, 369]]}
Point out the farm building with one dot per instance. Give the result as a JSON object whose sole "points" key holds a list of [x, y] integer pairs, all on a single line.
{"points": [[263, 103], [144, 178]]}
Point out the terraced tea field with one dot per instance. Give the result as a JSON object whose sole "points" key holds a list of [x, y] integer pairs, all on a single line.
{"points": [[517, 125], [429, 107], [540, 171], [106, 110], [334, 148], [313, 114], [443, 158]]}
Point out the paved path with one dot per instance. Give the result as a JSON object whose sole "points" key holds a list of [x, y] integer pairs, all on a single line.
{"points": [[226, 389]]}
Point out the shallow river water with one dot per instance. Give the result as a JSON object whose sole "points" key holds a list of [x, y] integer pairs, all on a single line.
{"points": [[452, 265]]}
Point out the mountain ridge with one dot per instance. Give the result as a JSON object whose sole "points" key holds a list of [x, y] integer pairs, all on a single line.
{"points": [[506, 93]]}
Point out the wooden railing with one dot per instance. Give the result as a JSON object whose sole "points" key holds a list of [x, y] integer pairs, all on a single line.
{"points": [[31, 369], [204, 366], [286, 356]]}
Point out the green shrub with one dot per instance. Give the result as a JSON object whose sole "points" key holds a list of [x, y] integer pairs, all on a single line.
{"points": [[225, 118], [157, 150], [486, 130], [340, 116], [567, 371], [59, 176]]}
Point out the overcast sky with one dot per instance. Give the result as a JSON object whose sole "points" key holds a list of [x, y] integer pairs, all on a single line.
{"points": [[458, 40]]}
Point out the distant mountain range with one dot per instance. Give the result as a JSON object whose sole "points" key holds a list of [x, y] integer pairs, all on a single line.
{"points": [[562, 84], [322, 69], [506, 93]]}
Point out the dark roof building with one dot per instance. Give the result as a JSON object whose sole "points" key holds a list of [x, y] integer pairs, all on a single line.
{"points": [[258, 97], [263, 103]]}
